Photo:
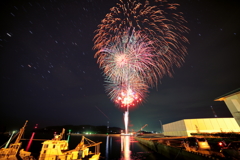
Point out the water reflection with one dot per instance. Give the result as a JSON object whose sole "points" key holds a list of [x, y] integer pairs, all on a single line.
{"points": [[125, 148], [113, 147], [120, 148], [108, 146]]}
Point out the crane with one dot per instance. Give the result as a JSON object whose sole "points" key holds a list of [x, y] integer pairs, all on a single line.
{"points": [[142, 127]]}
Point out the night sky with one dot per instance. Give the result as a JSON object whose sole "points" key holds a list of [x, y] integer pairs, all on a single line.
{"points": [[49, 74]]}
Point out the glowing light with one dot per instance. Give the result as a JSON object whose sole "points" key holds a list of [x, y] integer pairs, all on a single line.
{"points": [[125, 148], [69, 134], [126, 122], [9, 139], [31, 139]]}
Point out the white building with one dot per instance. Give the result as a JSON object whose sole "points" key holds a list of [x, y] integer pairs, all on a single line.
{"points": [[232, 100], [204, 125], [209, 125]]}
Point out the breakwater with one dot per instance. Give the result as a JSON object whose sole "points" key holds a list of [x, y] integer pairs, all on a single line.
{"points": [[174, 152]]}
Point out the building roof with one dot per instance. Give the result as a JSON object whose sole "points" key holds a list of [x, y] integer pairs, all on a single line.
{"points": [[221, 98]]}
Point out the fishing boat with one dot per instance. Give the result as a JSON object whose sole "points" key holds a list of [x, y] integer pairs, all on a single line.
{"points": [[14, 151], [57, 149]]}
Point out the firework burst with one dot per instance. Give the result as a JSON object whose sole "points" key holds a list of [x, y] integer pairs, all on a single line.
{"points": [[137, 44], [159, 20], [128, 93], [130, 55]]}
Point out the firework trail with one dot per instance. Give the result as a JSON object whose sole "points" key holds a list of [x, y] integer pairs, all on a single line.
{"points": [[102, 112], [137, 44]]}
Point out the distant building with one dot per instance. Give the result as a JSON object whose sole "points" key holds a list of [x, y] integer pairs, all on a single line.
{"points": [[204, 125], [232, 100]]}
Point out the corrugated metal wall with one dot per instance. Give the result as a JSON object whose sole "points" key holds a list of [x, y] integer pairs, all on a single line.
{"points": [[205, 125]]}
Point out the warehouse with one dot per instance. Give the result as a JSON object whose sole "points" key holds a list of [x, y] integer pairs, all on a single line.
{"points": [[204, 125]]}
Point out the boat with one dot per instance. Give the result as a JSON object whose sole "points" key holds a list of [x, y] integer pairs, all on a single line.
{"points": [[57, 149], [14, 151]]}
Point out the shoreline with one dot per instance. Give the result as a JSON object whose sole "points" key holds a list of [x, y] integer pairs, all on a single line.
{"points": [[76, 134]]}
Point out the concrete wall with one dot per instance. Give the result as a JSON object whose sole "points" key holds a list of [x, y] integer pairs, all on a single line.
{"points": [[175, 128], [207, 125]]}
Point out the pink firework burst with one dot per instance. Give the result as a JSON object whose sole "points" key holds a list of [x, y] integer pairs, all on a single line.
{"points": [[128, 93], [130, 55], [138, 43], [159, 20]]}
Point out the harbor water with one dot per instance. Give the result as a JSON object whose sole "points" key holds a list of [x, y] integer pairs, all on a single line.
{"points": [[120, 148], [111, 148]]}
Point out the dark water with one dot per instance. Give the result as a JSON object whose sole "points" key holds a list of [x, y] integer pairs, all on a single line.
{"points": [[120, 148], [111, 148]]}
